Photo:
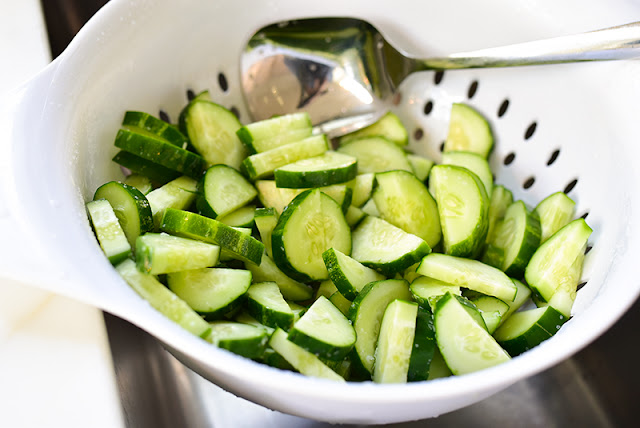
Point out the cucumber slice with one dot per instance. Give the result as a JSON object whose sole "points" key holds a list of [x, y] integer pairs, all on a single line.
{"points": [[468, 131], [474, 163], [492, 309], [278, 198], [266, 304], [140, 182], [420, 166], [309, 226], [516, 238], [465, 345], [266, 220], [426, 291], [405, 202], [212, 292], [263, 164], [463, 207], [395, 342], [354, 216], [522, 296], [438, 368], [179, 194], [386, 248], [388, 126], [267, 271], [130, 206], [341, 302], [470, 274], [194, 226], [370, 208], [275, 132], [327, 289], [298, 310], [302, 360], [424, 347], [242, 217], [159, 151], [226, 255], [555, 212], [324, 170], [155, 126], [138, 165], [324, 331], [362, 189], [242, 339], [223, 190], [163, 300], [211, 129], [158, 253], [110, 235], [527, 329], [501, 199], [366, 314], [376, 154], [244, 318], [552, 268], [348, 275]]}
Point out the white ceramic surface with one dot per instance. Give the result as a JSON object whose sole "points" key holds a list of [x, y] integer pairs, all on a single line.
{"points": [[144, 55]]}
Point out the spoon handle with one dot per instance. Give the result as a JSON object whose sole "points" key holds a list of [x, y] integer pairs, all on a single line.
{"points": [[621, 42]]}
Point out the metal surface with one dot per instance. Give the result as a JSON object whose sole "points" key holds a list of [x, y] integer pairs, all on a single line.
{"points": [[595, 388], [344, 73]]}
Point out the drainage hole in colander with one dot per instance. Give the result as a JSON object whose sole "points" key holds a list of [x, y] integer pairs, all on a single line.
{"points": [[164, 116], [584, 216], [428, 107], [473, 88], [530, 130], [442, 146], [235, 111], [570, 186], [553, 157], [508, 159], [503, 108], [582, 284], [397, 97], [529, 182], [222, 81], [586, 250], [437, 78], [190, 94], [418, 134]]}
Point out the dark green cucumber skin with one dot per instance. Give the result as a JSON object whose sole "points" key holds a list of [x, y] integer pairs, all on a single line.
{"points": [[390, 269], [336, 276], [138, 165], [194, 226], [229, 308], [161, 152], [144, 209], [538, 333], [253, 349], [317, 347], [156, 126], [314, 178], [247, 139], [532, 241], [268, 316], [422, 355]]}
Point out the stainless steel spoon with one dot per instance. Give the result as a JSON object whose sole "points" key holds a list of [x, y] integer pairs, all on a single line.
{"points": [[344, 73]]}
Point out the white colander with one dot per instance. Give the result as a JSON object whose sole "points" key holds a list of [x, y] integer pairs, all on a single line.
{"points": [[569, 127]]}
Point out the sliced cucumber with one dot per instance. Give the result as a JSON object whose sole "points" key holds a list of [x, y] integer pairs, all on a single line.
{"points": [[267, 271], [194, 226], [555, 212], [501, 199], [140, 182], [522, 296], [223, 190], [405, 202], [278, 198], [138, 165], [263, 164], [388, 126], [266, 220], [211, 129], [470, 274], [438, 368], [311, 224], [366, 314], [386, 248], [324, 331], [463, 207], [395, 342], [158, 253], [266, 304], [244, 318], [527, 329], [163, 300], [212, 292], [298, 310], [376, 154], [348, 275], [362, 189], [492, 309], [341, 302], [226, 255], [179, 194], [110, 235], [156, 126], [516, 238], [302, 360], [327, 289], [420, 166], [465, 345], [159, 151], [426, 291], [243, 217], [130, 206], [424, 347], [468, 131], [354, 216], [473, 162], [371, 209], [242, 339], [324, 170], [275, 132]]}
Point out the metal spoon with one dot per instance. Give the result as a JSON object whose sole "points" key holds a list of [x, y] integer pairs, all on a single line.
{"points": [[344, 73]]}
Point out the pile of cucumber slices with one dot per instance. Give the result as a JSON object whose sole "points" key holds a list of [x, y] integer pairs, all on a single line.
{"points": [[364, 262]]}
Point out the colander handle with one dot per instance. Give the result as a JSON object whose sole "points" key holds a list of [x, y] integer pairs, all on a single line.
{"points": [[620, 42]]}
